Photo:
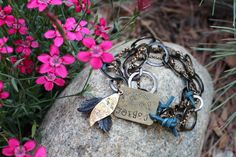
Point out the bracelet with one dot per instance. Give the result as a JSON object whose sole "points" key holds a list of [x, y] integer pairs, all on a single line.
{"points": [[134, 102]]}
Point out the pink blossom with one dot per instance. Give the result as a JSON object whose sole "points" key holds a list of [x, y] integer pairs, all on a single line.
{"points": [[67, 28], [54, 63], [5, 17], [40, 152], [25, 65], [42, 4], [82, 5], [81, 30], [101, 28], [15, 149], [3, 94], [144, 4], [49, 80], [74, 30], [17, 26], [24, 47], [3, 47], [96, 54]]}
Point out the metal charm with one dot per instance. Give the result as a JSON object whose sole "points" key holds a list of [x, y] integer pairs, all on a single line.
{"points": [[104, 108], [135, 105]]}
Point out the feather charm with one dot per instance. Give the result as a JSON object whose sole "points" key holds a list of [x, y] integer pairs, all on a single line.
{"points": [[88, 105], [105, 124]]}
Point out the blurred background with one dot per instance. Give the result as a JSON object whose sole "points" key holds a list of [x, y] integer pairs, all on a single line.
{"points": [[207, 29]]}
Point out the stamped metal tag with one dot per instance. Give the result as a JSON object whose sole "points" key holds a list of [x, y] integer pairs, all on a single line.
{"points": [[104, 108], [135, 105]]}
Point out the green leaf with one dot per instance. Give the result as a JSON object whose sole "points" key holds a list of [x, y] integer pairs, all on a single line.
{"points": [[96, 19], [17, 62], [112, 5], [33, 129], [213, 7], [14, 84], [201, 2], [234, 12]]}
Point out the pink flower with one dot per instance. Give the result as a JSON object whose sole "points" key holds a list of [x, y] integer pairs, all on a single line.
{"points": [[49, 80], [144, 4], [25, 46], [79, 30], [17, 26], [40, 152], [54, 63], [15, 149], [42, 4], [97, 53], [67, 28], [25, 65], [3, 47], [82, 5], [3, 94], [101, 28], [5, 17]]}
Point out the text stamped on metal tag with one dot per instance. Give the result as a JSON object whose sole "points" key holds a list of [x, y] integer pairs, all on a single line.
{"points": [[135, 105]]}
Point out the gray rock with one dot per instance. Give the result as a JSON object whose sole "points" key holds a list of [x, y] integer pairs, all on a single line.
{"points": [[66, 132]]}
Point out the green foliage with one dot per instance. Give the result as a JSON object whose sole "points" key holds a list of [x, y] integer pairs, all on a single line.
{"points": [[220, 52]]}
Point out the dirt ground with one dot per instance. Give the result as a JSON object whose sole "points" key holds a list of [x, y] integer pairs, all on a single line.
{"points": [[186, 23]]}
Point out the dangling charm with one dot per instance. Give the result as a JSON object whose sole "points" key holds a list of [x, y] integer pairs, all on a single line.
{"points": [[104, 108], [88, 105], [100, 110]]}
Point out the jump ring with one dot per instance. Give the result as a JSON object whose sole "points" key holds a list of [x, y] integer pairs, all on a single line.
{"points": [[113, 87], [201, 102], [143, 38], [153, 90]]}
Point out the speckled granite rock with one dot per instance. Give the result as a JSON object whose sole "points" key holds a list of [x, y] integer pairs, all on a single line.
{"points": [[66, 132]]}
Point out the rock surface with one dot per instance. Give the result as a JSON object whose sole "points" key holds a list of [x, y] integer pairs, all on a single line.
{"points": [[66, 132]]}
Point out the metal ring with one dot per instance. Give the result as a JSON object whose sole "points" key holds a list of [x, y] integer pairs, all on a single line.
{"points": [[201, 102], [126, 68], [188, 58], [113, 87], [184, 127], [153, 90], [166, 58], [104, 70], [199, 83], [143, 38]]}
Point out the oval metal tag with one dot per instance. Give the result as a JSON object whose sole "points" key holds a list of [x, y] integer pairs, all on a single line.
{"points": [[104, 108]]}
